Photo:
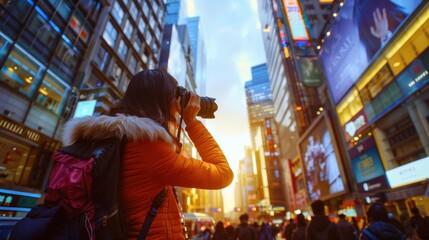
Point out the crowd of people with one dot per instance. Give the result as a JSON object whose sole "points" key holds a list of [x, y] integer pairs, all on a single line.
{"points": [[381, 225]]}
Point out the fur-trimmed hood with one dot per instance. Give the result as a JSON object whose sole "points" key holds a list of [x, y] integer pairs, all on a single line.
{"points": [[103, 127]]}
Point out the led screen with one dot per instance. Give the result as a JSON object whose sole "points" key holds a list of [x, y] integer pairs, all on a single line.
{"points": [[361, 29], [85, 108], [323, 170]]}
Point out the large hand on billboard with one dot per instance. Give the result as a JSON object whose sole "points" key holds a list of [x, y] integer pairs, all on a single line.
{"points": [[381, 28]]}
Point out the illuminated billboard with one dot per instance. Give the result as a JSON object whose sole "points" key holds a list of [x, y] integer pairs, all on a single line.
{"points": [[295, 20], [85, 108], [321, 162], [361, 29]]}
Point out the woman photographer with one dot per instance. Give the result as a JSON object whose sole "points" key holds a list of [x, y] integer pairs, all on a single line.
{"points": [[147, 118]]}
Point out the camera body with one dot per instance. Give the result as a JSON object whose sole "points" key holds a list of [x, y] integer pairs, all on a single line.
{"points": [[207, 104]]}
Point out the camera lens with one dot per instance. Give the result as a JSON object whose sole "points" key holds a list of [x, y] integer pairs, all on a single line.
{"points": [[207, 104], [208, 107]]}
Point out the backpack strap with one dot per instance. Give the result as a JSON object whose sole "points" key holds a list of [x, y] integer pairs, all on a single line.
{"points": [[157, 202], [369, 234]]}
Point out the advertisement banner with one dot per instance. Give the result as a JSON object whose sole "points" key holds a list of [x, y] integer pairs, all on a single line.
{"points": [[361, 29], [367, 165], [321, 162], [310, 72]]}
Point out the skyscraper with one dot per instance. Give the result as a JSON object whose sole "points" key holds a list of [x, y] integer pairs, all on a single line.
{"points": [[264, 139]]}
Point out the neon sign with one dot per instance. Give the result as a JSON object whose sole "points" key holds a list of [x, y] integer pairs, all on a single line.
{"points": [[296, 21]]}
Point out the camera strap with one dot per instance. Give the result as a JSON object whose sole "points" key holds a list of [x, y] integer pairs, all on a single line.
{"points": [[178, 143]]}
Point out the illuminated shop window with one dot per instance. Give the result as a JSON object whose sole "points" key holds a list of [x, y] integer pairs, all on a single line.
{"points": [[21, 71], [408, 47], [13, 157], [381, 79], [110, 34], [117, 12], [349, 106], [53, 93]]}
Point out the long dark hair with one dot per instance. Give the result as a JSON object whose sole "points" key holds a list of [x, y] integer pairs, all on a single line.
{"points": [[363, 19], [149, 95]]}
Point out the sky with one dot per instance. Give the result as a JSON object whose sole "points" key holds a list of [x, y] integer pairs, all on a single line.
{"points": [[233, 41]]}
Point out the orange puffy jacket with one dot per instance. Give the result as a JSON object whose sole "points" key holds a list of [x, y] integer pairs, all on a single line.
{"points": [[150, 164]]}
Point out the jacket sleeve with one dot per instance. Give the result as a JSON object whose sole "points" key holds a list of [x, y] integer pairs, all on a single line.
{"points": [[170, 168]]}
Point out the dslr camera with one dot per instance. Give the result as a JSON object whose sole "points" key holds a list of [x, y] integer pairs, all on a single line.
{"points": [[207, 104]]}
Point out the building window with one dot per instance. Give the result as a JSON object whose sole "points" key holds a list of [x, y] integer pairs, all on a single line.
{"points": [[148, 38], [152, 21], [132, 65], [94, 82], [155, 7], [137, 43], [118, 12], [14, 161], [125, 84], [142, 25], [21, 72], [128, 29], [146, 9], [110, 34], [102, 58], [134, 12], [122, 50], [40, 37], [66, 61], [115, 74], [63, 8], [78, 24], [53, 94]]}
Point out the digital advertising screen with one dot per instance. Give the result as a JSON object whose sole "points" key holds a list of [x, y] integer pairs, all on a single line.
{"points": [[361, 29], [321, 162]]}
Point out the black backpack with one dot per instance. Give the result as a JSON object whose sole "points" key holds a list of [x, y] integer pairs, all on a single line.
{"points": [[81, 200]]}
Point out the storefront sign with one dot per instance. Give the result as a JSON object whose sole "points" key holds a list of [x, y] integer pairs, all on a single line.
{"points": [[356, 124], [367, 165], [378, 197], [409, 173], [413, 78], [18, 129], [373, 185]]}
